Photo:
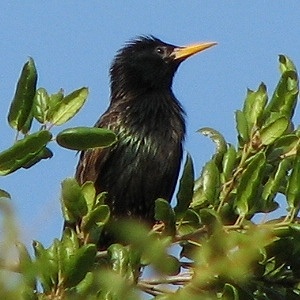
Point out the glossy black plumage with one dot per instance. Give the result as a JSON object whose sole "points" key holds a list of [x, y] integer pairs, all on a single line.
{"points": [[149, 122]]}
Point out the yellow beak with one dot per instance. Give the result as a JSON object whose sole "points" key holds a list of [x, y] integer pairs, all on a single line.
{"points": [[181, 53]]}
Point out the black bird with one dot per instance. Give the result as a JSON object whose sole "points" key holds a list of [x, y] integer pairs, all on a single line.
{"points": [[149, 122]]}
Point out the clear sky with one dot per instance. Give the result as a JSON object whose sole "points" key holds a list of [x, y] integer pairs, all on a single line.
{"points": [[73, 44]]}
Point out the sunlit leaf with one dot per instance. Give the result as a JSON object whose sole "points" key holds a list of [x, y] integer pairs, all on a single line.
{"points": [[69, 106], [120, 260], [89, 193], [286, 64], [41, 105], [273, 131], [54, 103]]}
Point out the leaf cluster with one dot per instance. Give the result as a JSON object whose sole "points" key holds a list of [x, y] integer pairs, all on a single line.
{"points": [[224, 250], [31, 104]]}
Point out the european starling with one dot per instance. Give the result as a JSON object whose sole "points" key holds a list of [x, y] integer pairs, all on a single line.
{"points": [[149, 122]]}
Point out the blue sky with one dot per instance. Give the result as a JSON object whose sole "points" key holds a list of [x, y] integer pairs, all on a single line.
{"points": [[73, 44]]}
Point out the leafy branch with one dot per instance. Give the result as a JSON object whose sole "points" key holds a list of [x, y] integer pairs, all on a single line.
{"points": [[223, 252]]}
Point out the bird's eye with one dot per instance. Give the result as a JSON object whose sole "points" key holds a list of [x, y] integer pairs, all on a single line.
{"points": [[160, 50]]}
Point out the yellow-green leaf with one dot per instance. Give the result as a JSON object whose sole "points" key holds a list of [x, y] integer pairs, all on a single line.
{"points": [[273, 131], [69, 106]]}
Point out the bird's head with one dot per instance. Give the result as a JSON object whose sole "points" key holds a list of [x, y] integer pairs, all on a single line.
{"points": [[149, 63]]}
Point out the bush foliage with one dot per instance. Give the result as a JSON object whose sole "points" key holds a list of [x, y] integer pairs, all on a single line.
{"points": [[224, 251]]}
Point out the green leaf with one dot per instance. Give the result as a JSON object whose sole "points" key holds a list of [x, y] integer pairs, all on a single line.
{"points": [[98, 216], [119, 258], [52, 266], [46, 264], [83, 287], [283, 145], [114, 287], [172, 265], [211, 181], [285, 95], [199, 199], [82, 138], [100, 198], [69, 242], [4, 194], [165, 213], [69, 106], [274, 130], [42, 263], [254, 106], [45, 153], [152, 247], [230, 292], [249, 184], [209, 216], [22, 102], [26, 127], [53, 104], [229, 162], [79, 264], [286, 64], [23, 151], [218, 139], [293, 186], [189, 223], [72, 200], [67, 248], [275, 180], [242, 127], [186, 187], [41, 105], [89, 193]]}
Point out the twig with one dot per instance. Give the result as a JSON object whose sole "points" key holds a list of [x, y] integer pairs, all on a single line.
{"points": [[101, 254], [153, 289], [175, 280]]}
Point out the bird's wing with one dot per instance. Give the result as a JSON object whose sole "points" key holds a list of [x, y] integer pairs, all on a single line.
{"points": [[91, 161], [89, 164]]}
